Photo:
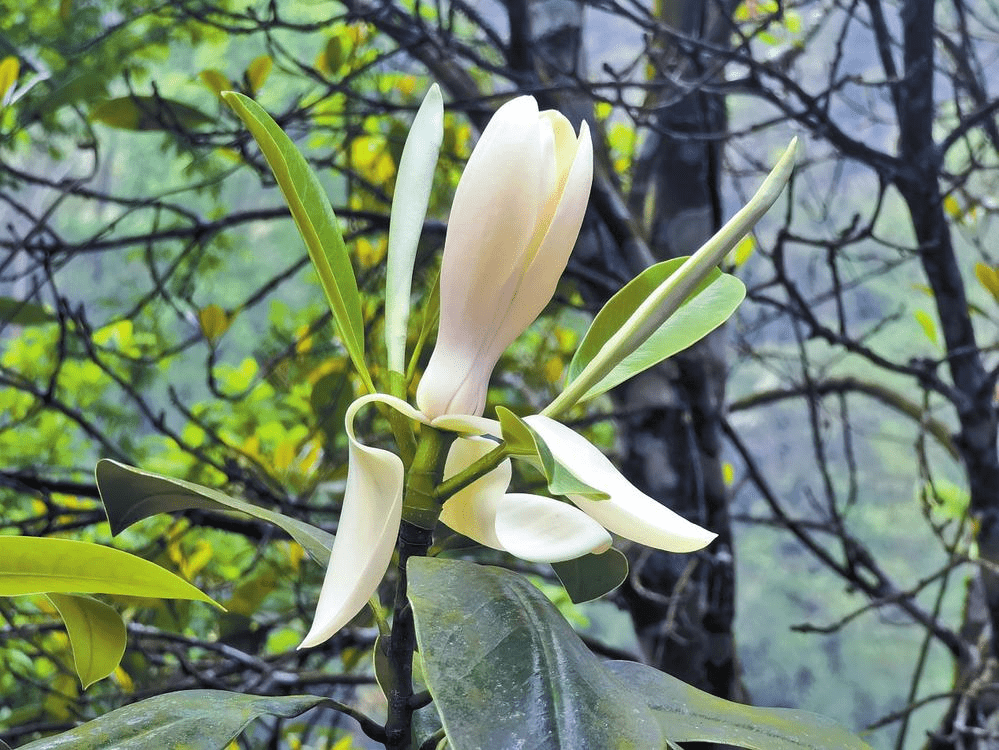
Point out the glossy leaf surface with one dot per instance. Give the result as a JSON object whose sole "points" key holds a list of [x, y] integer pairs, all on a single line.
{"points": [[687, 714], [37, 565], [506, 670], [185, 720], [96, 634]]}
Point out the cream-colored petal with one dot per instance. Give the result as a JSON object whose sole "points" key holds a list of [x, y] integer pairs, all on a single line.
{"points": [[628, 511], [366, 533], [493, 218], [541, 277], [540, 529], [472, 510]]}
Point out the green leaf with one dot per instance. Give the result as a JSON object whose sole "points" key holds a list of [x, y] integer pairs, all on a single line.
{"points": [[709, 305], [506, 670], [36, 565], [516, 434], [988, 277], [258, 71], [331, 396], [21, 313], [96, 634], [313, 215], [130, 494], [926, 323], [591, 576], [653, 310], [687, 714], [185, 720], [149, 113]]}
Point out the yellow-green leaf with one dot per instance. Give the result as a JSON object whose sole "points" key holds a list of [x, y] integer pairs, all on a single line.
{"points": [[9, 70], [37, 565], [988, 277], [926, 323], [742, 251], [149, 113], [216, 80], [96, 635], [316, 222], [257, 72], [214, 322]]}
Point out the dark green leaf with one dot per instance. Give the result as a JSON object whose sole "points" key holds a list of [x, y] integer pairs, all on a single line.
{"points": [[687, 714], [185, 720], [24, 313], [506, 670], [130, 494], [591, 576], [149, 113]]}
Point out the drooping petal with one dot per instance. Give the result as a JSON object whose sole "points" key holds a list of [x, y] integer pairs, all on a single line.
{"points": [[531, 527], [540, 529], [472, 510], [366, 533], [628, 511]]}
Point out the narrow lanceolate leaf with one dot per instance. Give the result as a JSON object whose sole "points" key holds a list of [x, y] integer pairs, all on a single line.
{"points": [[687, 714], [9, 70], [409, 207], [506, 670], [313, 215], [36, 565], [96, 635], [709, 305], [188, 719], [130, 494], [667, 298]]}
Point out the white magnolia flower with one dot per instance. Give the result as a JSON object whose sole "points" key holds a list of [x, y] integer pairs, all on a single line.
{"points": [[515, 218]]}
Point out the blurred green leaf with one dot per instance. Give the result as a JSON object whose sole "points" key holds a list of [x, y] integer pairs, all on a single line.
{"points": [[96, 634], [21, 313], [130, 494], [149, 113]]}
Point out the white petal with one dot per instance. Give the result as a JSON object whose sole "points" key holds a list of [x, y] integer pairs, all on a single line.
{"points": [[548, 263], [366, 533], [472, 510], [628, 511], [543, 530], [413, 184]]}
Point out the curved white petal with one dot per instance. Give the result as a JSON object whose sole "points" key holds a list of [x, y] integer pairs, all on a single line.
{"points": [[366, 533], [628, 511], [543, 530], [472, 510]]}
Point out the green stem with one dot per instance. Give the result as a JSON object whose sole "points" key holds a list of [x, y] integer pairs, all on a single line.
{"points": [[447, 487]]}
